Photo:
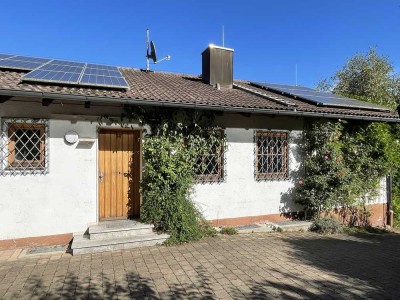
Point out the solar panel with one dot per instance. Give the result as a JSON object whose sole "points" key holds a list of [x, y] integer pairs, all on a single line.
{"points": [[103, 72], [286, 87], [19, 62], [101, 75], [102, 67], [57, 71], [2, 56], [67, 63], [76, 73], [320, 98], [52, 76]]}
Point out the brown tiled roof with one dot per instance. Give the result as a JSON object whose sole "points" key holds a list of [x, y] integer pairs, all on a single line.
{"points": [[188, 90]]}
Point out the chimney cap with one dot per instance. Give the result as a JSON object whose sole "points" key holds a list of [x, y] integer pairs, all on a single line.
{"points": [[212, 46]]}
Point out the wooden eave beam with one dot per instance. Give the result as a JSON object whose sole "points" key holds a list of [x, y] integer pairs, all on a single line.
{"points": [[87, 104], [4, 98], [47, 101]]}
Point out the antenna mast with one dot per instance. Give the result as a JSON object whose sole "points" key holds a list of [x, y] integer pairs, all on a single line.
{"points": [[147, 50], [151, 52], [223, 36]]}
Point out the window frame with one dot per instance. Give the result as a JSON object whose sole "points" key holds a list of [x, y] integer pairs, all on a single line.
{"points": [[220, 176], [8, 139], [284, 174], [12, 140]]}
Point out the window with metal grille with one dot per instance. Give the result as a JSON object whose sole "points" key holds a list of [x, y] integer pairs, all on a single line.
{"points": [[271, 155], [24, 147], [210, 167]]}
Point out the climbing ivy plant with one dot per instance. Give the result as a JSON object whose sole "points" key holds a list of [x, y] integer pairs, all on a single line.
{"points": [[173, 140], [344, 163]]}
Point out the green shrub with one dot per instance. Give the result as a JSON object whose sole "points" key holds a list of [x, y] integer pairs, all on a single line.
{"points": [[326, 225], [229, 230], [166, 187]]}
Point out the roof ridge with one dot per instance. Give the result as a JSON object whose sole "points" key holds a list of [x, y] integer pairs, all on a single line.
{"points": [[159, 72], [176, 73]]}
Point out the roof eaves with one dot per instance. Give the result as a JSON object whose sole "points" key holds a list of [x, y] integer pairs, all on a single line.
{"points": [[226, 108]]}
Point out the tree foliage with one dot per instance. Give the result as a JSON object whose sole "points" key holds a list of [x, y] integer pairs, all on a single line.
{"points": [[368, 77]]}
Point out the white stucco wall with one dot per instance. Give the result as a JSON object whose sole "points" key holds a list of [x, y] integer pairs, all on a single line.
{"points": [[241, 194], [62, 201], [65, 200], [382, 194]]}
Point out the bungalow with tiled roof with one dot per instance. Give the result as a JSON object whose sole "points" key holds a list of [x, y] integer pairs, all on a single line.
{"points": [[61, 171]]}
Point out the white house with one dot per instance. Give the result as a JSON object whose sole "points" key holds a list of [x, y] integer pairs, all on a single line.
{"points": [[61, 170]]}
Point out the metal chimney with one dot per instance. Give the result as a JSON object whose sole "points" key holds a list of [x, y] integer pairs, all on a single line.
{"points": [[217, 66]]}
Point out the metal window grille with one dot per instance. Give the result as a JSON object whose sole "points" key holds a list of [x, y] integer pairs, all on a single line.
{"points": [[24, 147], [210, 167], [271, 155]]}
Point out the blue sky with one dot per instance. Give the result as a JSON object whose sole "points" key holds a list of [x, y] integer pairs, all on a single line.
{"points": [[269, 37]]}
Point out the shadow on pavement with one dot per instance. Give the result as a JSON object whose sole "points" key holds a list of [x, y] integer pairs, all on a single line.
{"points": [[356, 266], [132, 286]]}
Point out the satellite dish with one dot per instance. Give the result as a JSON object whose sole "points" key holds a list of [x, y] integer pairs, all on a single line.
{"points": [[151, 53]]}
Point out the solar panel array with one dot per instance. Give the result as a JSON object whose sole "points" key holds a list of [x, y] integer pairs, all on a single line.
{"points": [[65, 72], [320, 98]]}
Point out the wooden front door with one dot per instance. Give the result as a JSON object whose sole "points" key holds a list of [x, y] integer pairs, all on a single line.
{"points": [[119, 173]]}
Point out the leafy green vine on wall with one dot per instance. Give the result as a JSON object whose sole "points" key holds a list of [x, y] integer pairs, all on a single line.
{"points": [[171, 146], [344, 163]]}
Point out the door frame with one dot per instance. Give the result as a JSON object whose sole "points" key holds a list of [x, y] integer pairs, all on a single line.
{"points": [[114, 128]]}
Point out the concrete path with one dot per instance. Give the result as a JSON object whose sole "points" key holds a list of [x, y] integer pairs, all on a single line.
{"points": [[253, 266]]}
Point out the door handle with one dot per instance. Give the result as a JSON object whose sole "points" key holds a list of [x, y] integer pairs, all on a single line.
{"points": [[101, 177]]}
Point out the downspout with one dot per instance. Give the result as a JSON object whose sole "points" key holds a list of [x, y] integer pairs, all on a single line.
{"points": [[389, 197]]}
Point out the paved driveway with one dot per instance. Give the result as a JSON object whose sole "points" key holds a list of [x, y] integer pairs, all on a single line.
{"points": [[253, 266]]}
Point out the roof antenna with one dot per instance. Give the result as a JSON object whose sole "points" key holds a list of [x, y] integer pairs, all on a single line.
{"points": [[223, 36], [296, 74], [151, 52]]}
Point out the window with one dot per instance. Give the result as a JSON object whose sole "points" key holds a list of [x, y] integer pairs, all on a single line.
{"points": [[210, 167], [24, 146], [271, 155]]}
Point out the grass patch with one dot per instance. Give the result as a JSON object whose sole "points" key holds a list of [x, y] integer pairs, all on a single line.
{"points": [[365, 230], [228, 230]]}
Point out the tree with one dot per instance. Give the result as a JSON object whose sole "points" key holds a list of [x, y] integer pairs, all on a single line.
{"points": [[344, 162], [369, 77]]}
